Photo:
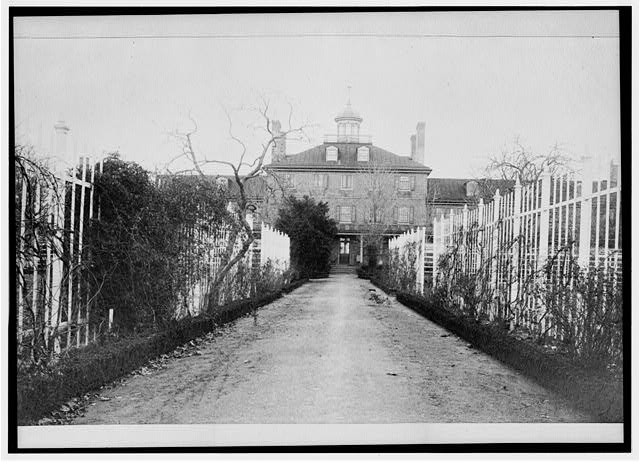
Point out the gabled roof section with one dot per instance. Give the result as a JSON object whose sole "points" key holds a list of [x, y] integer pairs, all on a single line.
{"points": [[315, 159], [453, 191]]}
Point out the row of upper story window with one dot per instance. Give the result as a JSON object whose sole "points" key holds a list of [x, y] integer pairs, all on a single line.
{"points": [[321, 180], [404, 215], [332, 154]]}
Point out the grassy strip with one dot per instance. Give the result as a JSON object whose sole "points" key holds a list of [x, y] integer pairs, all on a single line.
{"points": [[90, 367], [586, 389]]}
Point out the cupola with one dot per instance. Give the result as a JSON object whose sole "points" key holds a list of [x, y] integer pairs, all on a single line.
{"points": [[348, 123]]}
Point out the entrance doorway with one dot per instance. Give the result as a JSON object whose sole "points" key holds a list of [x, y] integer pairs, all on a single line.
{"points": [[343, 258]]}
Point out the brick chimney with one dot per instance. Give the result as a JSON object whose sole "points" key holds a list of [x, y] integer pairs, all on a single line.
{"points": [[419, 153], [279, 149]]}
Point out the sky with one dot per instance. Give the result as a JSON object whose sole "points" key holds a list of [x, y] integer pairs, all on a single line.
{"points": [[478, 80]]}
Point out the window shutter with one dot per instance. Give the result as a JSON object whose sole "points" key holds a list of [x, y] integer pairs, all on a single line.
{"points": [[411, 215], [337, 213], [395, 183], [413, 183], [353, 214], [325, 181], [370, 215], [395, 214]]}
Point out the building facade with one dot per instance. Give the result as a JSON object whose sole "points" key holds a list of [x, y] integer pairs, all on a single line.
{"points": [[371, 192]]}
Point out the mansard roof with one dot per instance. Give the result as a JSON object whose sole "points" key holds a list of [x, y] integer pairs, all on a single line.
{"points": [[315, 159]]}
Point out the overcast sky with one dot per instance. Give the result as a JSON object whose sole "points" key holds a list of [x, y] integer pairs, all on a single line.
{"points": [[477, 79]]}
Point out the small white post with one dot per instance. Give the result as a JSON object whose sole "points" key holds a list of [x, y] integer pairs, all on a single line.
{"points": [[110, 318]]}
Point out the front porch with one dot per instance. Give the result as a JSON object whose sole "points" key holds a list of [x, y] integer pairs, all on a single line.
{"points": [[351, 250]]}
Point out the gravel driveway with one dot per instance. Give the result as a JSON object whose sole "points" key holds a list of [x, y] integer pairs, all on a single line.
{"points": [[328, 353]]}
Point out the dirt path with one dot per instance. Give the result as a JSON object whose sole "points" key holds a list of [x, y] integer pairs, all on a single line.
{"points": [[327, 354]]}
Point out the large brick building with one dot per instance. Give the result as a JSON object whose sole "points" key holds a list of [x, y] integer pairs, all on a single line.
{"points": [[364, 185]]}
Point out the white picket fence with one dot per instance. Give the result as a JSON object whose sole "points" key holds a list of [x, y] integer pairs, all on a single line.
{"points": [[53, 299], [270, 244], [408, 250], [54, 292], [547, 222], [274, 247]]}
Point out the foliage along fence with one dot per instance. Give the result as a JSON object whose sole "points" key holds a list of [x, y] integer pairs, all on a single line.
{"points": [[265, 263], [54, 293], [55, 288], [56, 211], [545, 256], [407, 254]]}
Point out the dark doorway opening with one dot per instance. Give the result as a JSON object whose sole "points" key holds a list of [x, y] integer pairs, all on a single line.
{"points": [[343, 258]]}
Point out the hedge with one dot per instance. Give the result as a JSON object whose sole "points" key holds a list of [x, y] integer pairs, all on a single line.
{"points": [[588, 390], [89, 368], [382, 286]]}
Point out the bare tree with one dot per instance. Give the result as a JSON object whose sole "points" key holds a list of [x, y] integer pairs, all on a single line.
{"points": [[248, 166], [517, 160], [378, 201]]}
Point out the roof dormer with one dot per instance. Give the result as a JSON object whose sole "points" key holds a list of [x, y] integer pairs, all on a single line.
{"points": [[363, 154], [472, 188], [332, 154]]}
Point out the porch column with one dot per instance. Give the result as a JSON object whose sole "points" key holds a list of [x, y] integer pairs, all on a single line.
{"points": [[361, 251]]}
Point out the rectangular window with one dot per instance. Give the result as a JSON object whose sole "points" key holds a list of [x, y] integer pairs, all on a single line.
{"points": [[404, 184], [288, 181], [403, 215], [320, 181], [378, 217], [345, 214], [347, 182]]}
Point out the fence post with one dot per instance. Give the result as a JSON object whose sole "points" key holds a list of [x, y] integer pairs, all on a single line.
{"points": [[584, 249], [435, 222], [543, 252], [465, 233], [481, 229], [543, 249], [515, 249], [495, 242], [420, 260], [450, 227], [21, 277]]}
